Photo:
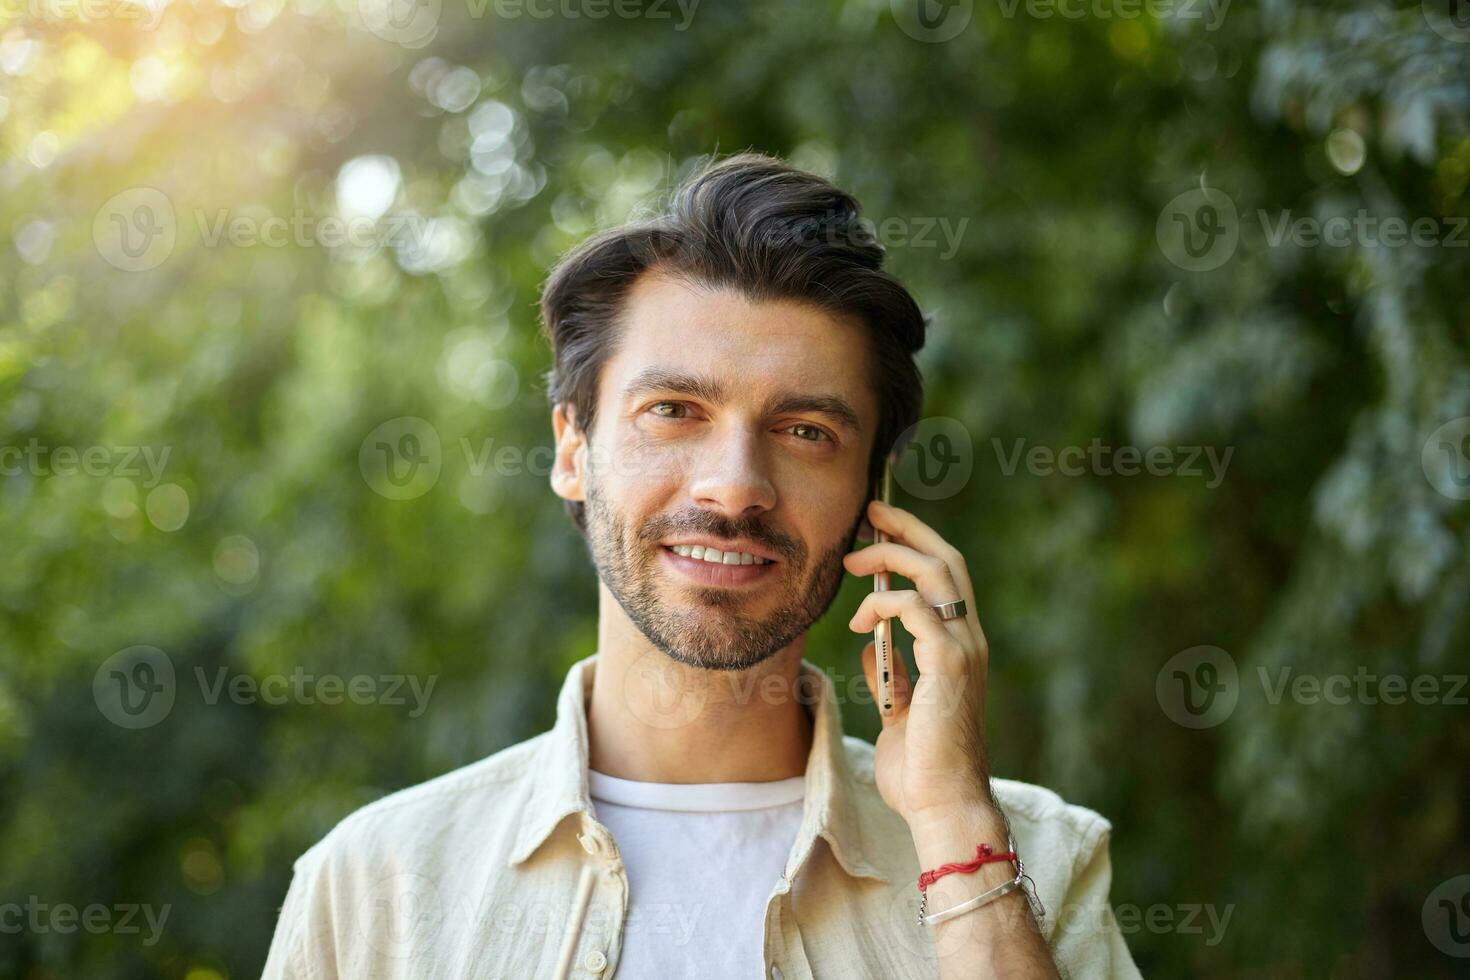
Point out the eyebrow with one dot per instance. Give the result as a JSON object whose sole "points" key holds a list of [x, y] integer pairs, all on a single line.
{"points": [[836, 408]]}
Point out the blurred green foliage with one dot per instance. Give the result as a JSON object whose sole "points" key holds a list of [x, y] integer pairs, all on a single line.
{"points": [[1059, 318]]}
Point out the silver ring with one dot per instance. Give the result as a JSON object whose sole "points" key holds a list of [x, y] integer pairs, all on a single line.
{"points": [[950, 610]]}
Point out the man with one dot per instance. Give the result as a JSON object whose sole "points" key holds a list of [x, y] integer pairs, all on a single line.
{"points": [[728, 379]]}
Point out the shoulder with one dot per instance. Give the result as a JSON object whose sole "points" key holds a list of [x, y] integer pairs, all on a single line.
{"points": [[1053, 821], [403, 855], [437, 814]]}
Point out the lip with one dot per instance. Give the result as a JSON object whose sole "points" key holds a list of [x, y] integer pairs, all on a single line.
{"points": [[719, 575]]}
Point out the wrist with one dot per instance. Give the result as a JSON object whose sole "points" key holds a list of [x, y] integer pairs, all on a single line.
{"points": [[969, 822]]}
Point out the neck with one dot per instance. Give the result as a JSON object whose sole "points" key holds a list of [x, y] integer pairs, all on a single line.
{"points": [[653, 719]]}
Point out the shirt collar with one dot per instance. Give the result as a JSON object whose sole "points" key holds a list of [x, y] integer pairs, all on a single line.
{"points": [[559, 786]]}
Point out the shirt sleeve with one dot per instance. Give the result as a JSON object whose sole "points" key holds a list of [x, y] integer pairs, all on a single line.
{"points": [[1087, 941], [291, 955]]}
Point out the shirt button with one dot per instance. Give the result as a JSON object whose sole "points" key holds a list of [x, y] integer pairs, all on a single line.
{"points": [[595, 961], [775, 972]]}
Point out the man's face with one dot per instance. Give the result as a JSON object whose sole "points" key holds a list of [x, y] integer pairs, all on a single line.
{"points": [[740, 424]]}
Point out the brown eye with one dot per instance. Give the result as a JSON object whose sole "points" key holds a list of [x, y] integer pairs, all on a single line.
{"points": [[816, 434], [674, 405]]}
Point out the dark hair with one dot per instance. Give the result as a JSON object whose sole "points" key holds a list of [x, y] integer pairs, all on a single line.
{"points": [[753, 223]]}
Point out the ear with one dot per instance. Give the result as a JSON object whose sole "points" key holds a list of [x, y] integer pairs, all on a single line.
{"points": [[568, 469]]}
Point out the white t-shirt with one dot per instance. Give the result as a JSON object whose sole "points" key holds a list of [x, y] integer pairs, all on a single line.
{"points": [[702, 860]]}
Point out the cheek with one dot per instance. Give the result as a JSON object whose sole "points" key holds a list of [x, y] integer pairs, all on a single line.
{"points": [[639, 478], [647, 467], [821, 514]]}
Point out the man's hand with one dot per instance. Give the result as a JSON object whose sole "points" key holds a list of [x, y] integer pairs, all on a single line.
{"points": [[931, 754], [930, 761]]}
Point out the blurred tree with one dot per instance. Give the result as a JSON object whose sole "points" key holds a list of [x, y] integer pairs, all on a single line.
{"points": [[249, 239]]}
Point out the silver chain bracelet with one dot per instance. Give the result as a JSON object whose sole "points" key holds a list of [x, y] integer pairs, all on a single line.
{"points": [[985, 898]]}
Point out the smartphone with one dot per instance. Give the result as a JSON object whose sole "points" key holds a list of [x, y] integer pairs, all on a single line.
{"points": [[883, 632]]}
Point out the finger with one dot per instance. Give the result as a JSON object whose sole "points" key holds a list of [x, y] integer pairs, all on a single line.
{"points": [[932, 574], [936, 649], [904, 528], [903, 688]]}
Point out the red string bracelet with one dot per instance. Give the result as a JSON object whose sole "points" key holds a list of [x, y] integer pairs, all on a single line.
{"points": [[984, 854]]}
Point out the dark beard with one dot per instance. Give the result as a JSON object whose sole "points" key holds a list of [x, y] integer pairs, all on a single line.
{"points": [[629, 568]]}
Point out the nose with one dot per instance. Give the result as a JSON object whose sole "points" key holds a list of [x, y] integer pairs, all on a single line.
{"points": [[732, 476]]}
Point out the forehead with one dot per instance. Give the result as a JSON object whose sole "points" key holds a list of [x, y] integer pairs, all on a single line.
{"points": [[758, 346]]}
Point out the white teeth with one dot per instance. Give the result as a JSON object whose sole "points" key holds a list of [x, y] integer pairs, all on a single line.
{"points": [[717, 557]]}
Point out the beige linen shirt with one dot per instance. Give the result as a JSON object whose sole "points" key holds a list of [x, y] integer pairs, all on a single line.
{"points": [[500, 869]]}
